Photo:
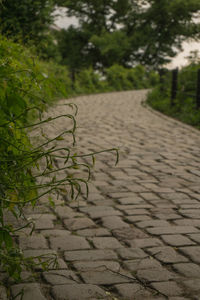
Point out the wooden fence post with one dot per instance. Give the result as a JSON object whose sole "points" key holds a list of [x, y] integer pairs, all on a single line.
{"points": [[198, 90], [174, 85], [161, 73]]}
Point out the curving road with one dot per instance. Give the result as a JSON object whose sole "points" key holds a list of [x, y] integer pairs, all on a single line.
{"points": [[137, 236]]}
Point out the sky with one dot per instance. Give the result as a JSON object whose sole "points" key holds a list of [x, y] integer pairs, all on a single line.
{"points": [[180, 60]]}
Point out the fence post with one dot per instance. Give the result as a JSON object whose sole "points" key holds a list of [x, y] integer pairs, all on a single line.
{"points": [[161, 73], [198, 90], [174, 85]]}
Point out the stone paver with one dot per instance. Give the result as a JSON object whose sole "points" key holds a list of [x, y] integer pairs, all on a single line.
{"points": [[106, 243], [90, 255], [137, 236], [60, 277], [105, 277], [133, 291], [78, 291], [69, 243], [30, 291]]}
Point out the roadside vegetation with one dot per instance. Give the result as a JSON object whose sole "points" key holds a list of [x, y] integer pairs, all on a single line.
{"points": [[184, 106]]}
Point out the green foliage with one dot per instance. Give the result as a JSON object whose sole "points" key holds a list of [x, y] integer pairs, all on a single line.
{"points": [[120, 78], [131, 32], [112, 46], [23, 89], [162, 27], [25, 86], [184, 108], [87, 82], [26, 19], [72, 45], [29, 171]]}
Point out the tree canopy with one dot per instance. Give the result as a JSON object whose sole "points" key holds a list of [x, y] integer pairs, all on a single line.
{"points": [[149, 32], [125, 32], [26, 19]]}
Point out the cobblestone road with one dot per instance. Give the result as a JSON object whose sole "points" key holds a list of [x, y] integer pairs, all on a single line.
{"points": [[138, 234]]}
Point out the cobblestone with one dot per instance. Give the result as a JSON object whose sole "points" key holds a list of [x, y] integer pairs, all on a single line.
{"points": [[172, 230], [188, 269], [94, 232], [105, 243], [43, 221], [31, 291], [76, 292], [113, 222], [168, 288], [145, 243], [158, 274], [97, 265], [105, 277], [90, 255], [60, 277], [147, 263], [177, 240], [193, 252], [79, 223], [143, 215], [69, 243], [167, 254], [133, 291]]}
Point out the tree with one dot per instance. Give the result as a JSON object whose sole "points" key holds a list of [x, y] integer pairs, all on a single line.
{"points": [[161, 28], [73, 47], [112, 46], [150, 32], [26, 19], [96, 15]]}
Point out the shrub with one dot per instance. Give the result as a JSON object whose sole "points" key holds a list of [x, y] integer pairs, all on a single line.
{"points": [[26, 87], [184, 108]]}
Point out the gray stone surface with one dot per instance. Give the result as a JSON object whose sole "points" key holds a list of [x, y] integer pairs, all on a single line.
{"points": [[188, 269], [113, 222], [60, 277], [71, 242], [94, 232], [143, 215], [158, 274], [132, 291], [177, 240], [30, 291], [105, 277], [168, 288], [78, 291], [106, 243], [167, 255], [43, 221], [90, 255], [193, 284], [79, 223], [193, 252], [97, 265], [33, 242], [172, 230], [142, 264], [145, 243], [131, 253]]}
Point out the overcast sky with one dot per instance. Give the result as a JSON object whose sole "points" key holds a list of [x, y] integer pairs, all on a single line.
{"points": [[64, 22]]}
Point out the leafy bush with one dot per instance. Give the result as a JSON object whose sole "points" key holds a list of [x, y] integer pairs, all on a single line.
{"points": [[25, 88], [120, 78], [87, 82], [28, 171], [184, 106]]}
